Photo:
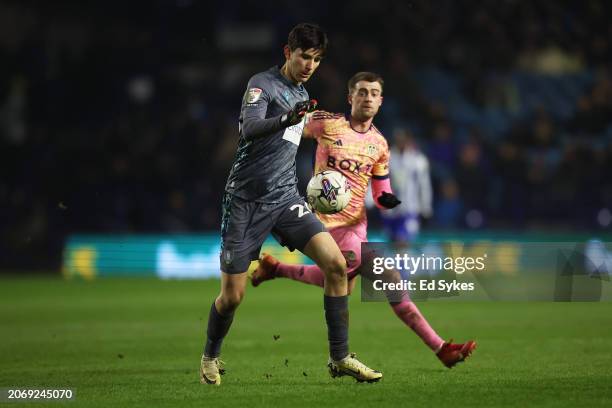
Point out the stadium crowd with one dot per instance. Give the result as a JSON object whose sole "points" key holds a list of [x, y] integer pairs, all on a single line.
{"points": [[124, 119]]}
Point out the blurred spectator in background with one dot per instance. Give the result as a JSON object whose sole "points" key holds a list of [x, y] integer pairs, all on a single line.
{"points": [[473, 182], [409, 169], [510, 184], [442, 149], [594, 108], [448, 206]]}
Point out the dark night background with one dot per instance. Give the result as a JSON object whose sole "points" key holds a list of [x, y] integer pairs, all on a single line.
{"points": [[121, 117]]}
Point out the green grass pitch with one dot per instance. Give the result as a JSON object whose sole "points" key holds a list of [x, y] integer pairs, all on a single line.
{"points": [[137, 343]]}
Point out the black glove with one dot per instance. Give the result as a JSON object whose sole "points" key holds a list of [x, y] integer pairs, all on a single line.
{"points": [[295, 115], [388, 200]]}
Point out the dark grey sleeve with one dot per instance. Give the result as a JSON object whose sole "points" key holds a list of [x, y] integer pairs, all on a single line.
{"points": [[256, 127], [254, 108]]}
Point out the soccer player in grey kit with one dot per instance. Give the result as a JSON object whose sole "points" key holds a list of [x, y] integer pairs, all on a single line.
{"points": [[261, 197]]}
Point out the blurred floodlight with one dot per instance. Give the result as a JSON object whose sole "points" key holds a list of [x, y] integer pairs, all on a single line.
{"points": [[604, 217], [474, 219], [140, 89]]}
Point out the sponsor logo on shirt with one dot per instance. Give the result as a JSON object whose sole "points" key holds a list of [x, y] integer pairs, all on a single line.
{"points": [[293, 133], [353, 166]]}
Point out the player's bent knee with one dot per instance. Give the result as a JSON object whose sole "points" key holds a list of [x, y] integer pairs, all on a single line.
{"points": [[336, 268], [230, 301]]}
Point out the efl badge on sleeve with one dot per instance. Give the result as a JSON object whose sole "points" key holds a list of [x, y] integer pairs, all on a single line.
{"points": [[253, 95]]}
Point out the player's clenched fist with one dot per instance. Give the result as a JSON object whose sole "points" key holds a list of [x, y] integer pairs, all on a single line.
{"points": [[295, 115]]}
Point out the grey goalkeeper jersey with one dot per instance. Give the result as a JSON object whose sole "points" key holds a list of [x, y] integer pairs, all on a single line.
{"points": [[264, 166]]}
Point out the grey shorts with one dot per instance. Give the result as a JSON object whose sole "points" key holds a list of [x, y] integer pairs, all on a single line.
{"points": [[246, 224]]}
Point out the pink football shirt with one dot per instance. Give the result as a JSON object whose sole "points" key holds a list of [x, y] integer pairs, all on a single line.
{"points": [[358, 156]]}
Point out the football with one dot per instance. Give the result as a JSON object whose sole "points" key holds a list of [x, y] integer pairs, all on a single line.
{"points": [[328, 192]]}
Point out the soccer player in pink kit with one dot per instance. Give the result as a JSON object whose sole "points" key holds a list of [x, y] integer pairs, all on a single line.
{"points": [[354, 147]]}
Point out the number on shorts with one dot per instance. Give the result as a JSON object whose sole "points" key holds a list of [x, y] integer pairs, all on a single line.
{"points": [[302, 210]]}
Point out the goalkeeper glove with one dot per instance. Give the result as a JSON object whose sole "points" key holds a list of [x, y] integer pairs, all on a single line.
{"points": [[295, 115], [388, 200]]}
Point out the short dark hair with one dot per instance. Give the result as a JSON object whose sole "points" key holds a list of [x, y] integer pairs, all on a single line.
{"points": [[307, 36], [365, 76]]}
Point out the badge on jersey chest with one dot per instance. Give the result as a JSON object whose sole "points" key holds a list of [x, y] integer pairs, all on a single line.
{"points": [[286, 96], [372, 149], [253, 95]]}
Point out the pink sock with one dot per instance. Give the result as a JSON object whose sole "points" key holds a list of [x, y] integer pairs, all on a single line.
{"points": [[304, 273], [408, 312]]}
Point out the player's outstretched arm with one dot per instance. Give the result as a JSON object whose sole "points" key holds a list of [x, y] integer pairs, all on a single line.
{"points": [[254, 126], [381, 183]]}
